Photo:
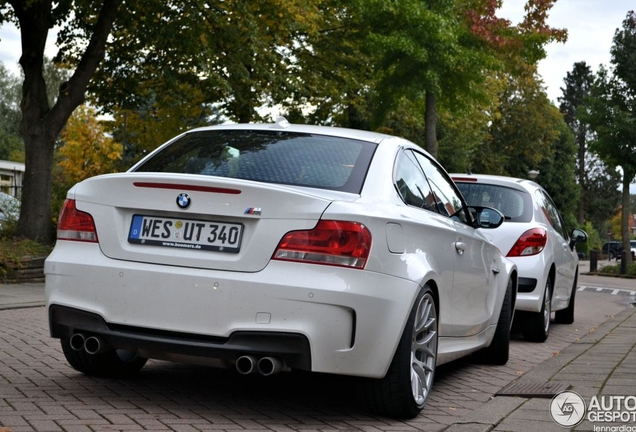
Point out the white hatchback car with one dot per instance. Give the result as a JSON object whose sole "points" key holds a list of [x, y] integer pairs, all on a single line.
{"points": [[534, 237], [273, 247]]}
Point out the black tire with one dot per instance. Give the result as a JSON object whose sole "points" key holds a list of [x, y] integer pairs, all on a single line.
{"points": [[109, 364], [536, 327], [499, 350], [566, 316], [403, 392]]}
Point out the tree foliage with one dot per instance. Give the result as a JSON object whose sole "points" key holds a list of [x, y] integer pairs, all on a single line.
{"points": [[86, 150], [142, 130], [236, 53], [83, 150], [425, 51], [577, 88], [442, 50], [601, 188], [465, 132], [613, 113], [557, 175], [524, 128], [10, 142]]}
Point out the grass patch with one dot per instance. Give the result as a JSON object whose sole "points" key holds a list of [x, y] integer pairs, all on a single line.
{"points": [[14, 250]]}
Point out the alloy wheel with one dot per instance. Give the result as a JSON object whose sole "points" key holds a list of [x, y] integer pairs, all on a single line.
{"points": [[547, 307], [423, 349]]}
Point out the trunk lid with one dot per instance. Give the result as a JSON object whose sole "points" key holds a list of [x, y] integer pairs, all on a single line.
{"points": [[229, 224]]}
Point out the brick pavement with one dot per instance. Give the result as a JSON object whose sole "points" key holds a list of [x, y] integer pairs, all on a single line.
{"points": [[40, 392]]}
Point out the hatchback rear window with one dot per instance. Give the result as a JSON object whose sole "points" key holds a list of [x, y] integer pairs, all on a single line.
{"points": [[289, 158], [515, 205]]}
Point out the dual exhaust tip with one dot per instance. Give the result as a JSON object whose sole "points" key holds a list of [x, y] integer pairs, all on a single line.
{"points": [[266, 366], [245, 365], [90, 344]]}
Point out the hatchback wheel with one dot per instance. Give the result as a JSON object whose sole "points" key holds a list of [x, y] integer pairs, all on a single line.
{"points": [[111, 364], [499, 350], [403, 392], [566, 316], [537, 325]]}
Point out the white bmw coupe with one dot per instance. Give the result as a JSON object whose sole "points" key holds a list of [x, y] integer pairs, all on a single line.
{"points": [[275, 247]]}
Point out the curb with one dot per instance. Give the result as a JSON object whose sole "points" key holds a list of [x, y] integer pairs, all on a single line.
{"points": [[22, 306], [614, 275]]}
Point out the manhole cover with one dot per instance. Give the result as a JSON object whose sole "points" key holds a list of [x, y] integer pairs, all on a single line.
{"points": [[533, 389]]}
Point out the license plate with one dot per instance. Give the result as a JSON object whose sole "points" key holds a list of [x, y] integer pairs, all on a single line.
{"points": [[186, 233]]}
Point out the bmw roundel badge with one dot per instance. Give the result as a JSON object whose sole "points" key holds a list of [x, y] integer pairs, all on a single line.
{"points": [[183, 200]]}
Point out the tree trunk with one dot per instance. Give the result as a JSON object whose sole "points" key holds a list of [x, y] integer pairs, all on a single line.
{"points": [[430, 125], [581, 175], [41, 124], [627, 179], [35, 211]]}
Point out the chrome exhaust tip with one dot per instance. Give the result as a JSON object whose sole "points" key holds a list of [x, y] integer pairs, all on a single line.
{"points": [[95, 345], [77, 341], [246, 364], [268, 366]]}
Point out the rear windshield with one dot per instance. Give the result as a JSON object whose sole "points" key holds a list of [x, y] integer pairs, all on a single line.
{"points": [[515, 205], [288, 158]]}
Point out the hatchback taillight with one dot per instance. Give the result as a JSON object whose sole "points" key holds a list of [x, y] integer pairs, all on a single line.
{"points": [[75, 225], [531, 242], [336, 243]]}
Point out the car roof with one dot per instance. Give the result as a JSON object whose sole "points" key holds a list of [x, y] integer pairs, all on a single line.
{"points": [[282, 124], [513, 182]]}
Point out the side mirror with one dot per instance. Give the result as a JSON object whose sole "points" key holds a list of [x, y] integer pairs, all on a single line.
{"points": [[486, 217], [577, 236]]}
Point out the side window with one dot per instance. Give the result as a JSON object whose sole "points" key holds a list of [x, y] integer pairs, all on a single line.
{"points": [[411, 183], [551, 213], [449, 201]]}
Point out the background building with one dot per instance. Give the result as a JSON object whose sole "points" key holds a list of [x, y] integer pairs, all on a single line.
{"points": [[11, 174]]}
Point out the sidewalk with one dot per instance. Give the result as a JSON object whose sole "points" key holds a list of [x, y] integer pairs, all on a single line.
{"points": [[600, 363]]}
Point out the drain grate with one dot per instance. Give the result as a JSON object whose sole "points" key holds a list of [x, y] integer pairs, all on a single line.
{"points": [[533, 389]]}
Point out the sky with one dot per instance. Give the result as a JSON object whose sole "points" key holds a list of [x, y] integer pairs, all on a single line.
{"points": [[591, 25]]}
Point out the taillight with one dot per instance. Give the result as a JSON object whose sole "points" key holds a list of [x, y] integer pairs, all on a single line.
{"points": [[531, 242], [336, 243], [75, 225]]}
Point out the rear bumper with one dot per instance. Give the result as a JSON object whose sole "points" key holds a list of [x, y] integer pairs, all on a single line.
{"points": [[320, 318], [533, 274], [293, 349]]}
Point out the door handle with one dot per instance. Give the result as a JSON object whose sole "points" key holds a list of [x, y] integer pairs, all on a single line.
{"points": [[460, 247]]}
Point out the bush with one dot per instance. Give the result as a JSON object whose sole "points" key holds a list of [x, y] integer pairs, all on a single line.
{"points": [[14, 250], [616, 269], [9, 214]]}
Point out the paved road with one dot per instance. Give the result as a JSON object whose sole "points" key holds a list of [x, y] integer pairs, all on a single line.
{"points": [[40, 392]]}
